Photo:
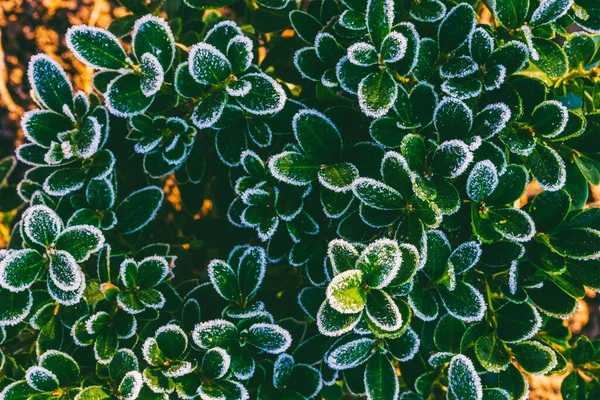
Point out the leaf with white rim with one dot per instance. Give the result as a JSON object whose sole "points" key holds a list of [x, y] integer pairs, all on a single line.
{"points": [[377, 195], [294, 168], [317, 135], [482, 181], [380, 379], [97, 48], [153, 74], [377, 92], [20, 269], [380, 263], [382, 311], [153, 35], [464, 302], [41, 225], [350, 354], [215, 333], [345, 293], [64, 271], [80, 241], [333, 323], [269, 338], [464, 382], [208, 66], [49, 83]]}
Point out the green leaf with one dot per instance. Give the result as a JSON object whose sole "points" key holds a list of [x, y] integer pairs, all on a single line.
{"points": [[98, 48], [588, 168], [452, 117], [293, 168], [80, 241], [513, 224], [578, 243], [208, 66], [215, 363], [153, 35], [511, 185], [224, 280], [41, 379], [549, 57], [215, 333], [511, 13], [464, 302], [64, 271], [482, 181], [428, 12], [448, 333], [377, 195], [267, 97], [463, 381], [363, 54], [94, 393], [62, 365], [306, 26], [20, 269], [512, 55], [380, 18], [171, 340], [381, 381], [549, 209], [534, 357], [438, 251], [269, 338], [41, 225], [552, 300], [351, 354], [550, 11], [491, 353], [125, 96], [338, 177], [209, 110], [139, 209], [382, 313], [15, 307], [377, 93], [517, 322], [455, 28], [49, 83], [152, 270], [318, 136], [451, 159], [333, 323], [251, 270], [380, 263], [345, 293]]}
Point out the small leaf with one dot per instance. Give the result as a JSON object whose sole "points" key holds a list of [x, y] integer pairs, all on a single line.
{"points": [[208, 66], [139, 209], [317, 135], [50, 83], [464, 382], [377, 93], [98, 48], [455, 28], [381, 381], [482, 181], [293, 168]]}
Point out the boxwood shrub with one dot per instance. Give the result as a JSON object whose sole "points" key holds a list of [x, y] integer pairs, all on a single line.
{"points": [[298, 200]]}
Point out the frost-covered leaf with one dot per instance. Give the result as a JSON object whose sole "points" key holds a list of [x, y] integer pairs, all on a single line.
{"points": [[333, 323], [394, 47], [550, 11], [380, 263], [363, 54], [452, 117], [464, 382], [223, 279], [153, 74], [377, 93], [482, 181], [20, 269], [512, 224], [339, 177], [125, 96], [318, 136], [50, 83], [293, 168], [350, 354], [267, 97], [380, 18], [96, 47], [511, 13], [455, 28], [269, 338], [464, 302], [451, 158], [64, 271], [208, 66], [80, 241], [345, 293], [209, 110], [380, 378], [534, 357], [214, 333], [382, 311], [41, 225], [139, 209], [153, 35], [376, 194], [547, 167], [171, 340]]}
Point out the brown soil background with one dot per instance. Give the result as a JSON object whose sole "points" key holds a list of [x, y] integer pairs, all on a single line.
{"points": [[28, 27]]}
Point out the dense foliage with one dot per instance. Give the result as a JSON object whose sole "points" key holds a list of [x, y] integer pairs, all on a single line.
{"points": [[372, 153]]}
